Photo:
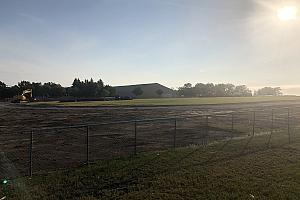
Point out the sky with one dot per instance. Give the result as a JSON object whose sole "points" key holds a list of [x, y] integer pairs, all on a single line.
{"points": [[171, 42]]}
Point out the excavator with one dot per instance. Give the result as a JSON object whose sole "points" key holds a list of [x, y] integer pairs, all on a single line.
{"points": [[24, 98]]}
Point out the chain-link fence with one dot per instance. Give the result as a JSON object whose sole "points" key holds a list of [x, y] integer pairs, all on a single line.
{"points": [[51, 148]]}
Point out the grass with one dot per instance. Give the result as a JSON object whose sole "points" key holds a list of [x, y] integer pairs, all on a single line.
{"points": [[235, 169], [170, 101]]}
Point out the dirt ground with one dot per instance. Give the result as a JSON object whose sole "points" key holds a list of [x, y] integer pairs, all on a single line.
{"points": [[63, 148]]}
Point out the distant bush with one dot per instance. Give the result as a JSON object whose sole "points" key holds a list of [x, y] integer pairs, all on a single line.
{"points": [[214, 90], [268, 91]]}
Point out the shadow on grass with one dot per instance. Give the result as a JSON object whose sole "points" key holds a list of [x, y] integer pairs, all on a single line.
{"points": [[128, 175], [158, 165], [172, 165]]}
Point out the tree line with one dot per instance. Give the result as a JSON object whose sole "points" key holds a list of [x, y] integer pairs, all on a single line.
{"points": [[268, 91], [224, 90], [86, 88], [91, 88]]}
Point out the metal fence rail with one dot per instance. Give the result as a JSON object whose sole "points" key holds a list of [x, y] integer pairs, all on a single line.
{"points": [[52, 148]]}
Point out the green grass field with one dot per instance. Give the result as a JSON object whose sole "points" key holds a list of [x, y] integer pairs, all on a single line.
{"points": [[171, 101], [235, 169]]}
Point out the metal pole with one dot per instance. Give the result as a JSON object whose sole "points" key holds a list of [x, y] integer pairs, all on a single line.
{"points": [[206, 130], [87, 145], [272, 121], [135, 135], [288, 120], [253, 124], [30, 154], [272, 127], [232, 118], [175, 132]]}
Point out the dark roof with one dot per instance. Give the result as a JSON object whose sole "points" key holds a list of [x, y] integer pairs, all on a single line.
{"points": [[137, 85], [149, 90]]}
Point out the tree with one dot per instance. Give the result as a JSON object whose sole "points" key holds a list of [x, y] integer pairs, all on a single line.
{"points": [[111, 90], [89, 88], [213, 90], [269, 91], [13, 91], [74, 92], [200, 90], [159, 92], [2, 85], [3, 92], [100, 87], [86, 88], [229, 89], [242, 91], [137, 91], [187, 90], [188, 85], [37, 89], [56, 90], [8, 92], [76, 83], [220, 90], [24, 85]]}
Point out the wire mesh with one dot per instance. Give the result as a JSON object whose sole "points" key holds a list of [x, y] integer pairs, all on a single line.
{"points": [[192, 131], [111, 141], [65, 147], [14, 155], [155, 135], [58, 148]]}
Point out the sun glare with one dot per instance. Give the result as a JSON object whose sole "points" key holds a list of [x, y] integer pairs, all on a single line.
{"points": [[287, 13]]}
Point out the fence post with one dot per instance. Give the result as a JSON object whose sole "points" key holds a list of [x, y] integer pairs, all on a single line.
{"points": [[272, 127], [288, 123], [175, 133], [253, 124], [232, 118], [87, 145], [30, 153], [206, 130], [135, 135]]}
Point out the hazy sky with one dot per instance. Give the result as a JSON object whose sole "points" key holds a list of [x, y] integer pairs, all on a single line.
{"points": [[139, 41]]}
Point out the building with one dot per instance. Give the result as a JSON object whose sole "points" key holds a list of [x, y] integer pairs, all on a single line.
{"points": [[150, 90]]}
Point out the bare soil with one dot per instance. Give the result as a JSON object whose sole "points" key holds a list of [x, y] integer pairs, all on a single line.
{"points": [[63, 148]]}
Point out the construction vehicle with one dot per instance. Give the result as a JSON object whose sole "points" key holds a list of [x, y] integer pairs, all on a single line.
{"points": [[24, 98]]}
